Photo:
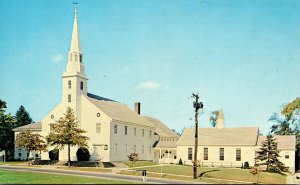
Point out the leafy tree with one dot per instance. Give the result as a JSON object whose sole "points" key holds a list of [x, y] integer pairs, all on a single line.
{"points": [[22, 117], [65, 132], [291, 108], [213, 118], [282, 126], [7, 123], [269, 154], [30, 141], [133, 157]]}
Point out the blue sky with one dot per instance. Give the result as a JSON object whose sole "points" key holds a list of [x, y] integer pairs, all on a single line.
{"points": [[241, 56]]}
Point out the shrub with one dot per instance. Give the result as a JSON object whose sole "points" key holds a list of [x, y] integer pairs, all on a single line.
{"points": [[246, 165], [274, 169], [53, 154], [83, 154], [180, 162]]}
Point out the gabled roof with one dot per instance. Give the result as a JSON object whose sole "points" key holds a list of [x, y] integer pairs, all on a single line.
{"points": [[33, 127], [118, 111], [283, 142], [238, 136], [161, 129]]}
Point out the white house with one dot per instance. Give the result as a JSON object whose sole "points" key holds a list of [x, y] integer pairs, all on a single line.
{"points": [[231, 147]]}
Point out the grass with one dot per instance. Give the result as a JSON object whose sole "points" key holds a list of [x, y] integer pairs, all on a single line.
{"points": [[89, 169], [217, 173], [14, 177], [139, 163], [14, 162]]}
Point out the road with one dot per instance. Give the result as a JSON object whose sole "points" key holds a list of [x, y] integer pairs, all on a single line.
{"points": [[95, 175]]}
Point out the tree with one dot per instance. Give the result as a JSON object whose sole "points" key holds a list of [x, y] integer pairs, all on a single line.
{"points": [[7, 123], [31, 142], [133, 157], [269, 154], [22, 117], [65, 132], [213, 118], [282, 126], [291, 108]]}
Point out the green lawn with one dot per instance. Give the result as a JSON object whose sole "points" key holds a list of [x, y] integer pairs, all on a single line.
{"points": [[17, 177], [139, 163], [219, 173], [14, 162]]}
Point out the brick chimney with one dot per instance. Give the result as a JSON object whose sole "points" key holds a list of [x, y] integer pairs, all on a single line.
{"points": [[137, 107]]}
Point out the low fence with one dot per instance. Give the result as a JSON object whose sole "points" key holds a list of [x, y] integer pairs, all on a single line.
{"points": [[222, 164], [217, 164]]}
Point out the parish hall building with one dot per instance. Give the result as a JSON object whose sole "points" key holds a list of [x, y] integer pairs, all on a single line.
{"points": [[115, 130]]}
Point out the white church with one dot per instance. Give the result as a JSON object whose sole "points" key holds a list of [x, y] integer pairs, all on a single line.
{"points": [[115, 130]]}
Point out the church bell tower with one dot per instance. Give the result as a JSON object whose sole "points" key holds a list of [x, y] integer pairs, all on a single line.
{"points": [[74, 78]]}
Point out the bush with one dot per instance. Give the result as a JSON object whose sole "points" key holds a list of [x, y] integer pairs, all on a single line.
{"points": [[246, 165], [53, 154], [83, 154], [180, 162], [274, 169]]}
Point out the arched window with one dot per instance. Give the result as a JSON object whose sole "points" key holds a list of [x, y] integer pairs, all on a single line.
{"points": [[69, 84], [81, 85], [80, 58]]}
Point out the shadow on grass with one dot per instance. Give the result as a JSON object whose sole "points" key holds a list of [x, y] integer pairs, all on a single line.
{"points": [[201, 174]]}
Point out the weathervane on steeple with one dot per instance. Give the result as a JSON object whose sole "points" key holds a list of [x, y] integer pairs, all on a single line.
{"points": [[75, 9]]}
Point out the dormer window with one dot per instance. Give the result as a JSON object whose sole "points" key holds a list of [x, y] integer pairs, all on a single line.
{"points": [[69, 84], [81, 85]]}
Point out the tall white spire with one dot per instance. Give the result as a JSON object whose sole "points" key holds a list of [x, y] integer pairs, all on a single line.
{"points": [[75, 42]]}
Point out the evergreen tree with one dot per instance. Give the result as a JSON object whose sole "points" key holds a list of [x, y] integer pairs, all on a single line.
{"points": [[7, 123], [30, 141], [22, 117], [65, 132], [268, 155]]}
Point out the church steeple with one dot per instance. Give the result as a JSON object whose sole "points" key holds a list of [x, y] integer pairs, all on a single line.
{"points": [[74, 78], [75, 61], [75, 42]]}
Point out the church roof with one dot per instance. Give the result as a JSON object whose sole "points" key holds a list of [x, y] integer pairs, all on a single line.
{"points": [[160, 128], [283, 142], [33, 127], [238, 136], [118, 111]]}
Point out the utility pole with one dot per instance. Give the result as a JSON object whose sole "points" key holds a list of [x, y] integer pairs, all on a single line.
{"points": [[197, 105]]}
